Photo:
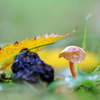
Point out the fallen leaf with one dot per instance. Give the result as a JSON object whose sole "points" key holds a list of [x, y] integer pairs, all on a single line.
{"points": [[10, 50]]}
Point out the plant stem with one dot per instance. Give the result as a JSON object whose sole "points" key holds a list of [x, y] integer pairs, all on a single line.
{"points": [[71, 65]]}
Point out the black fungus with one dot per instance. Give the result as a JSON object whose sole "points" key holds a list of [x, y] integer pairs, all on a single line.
{"points": [[29, 67]]}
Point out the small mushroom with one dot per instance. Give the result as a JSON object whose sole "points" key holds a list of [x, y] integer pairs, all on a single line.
{"points": [[73, 54]]}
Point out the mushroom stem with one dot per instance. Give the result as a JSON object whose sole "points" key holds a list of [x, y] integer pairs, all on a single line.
{"points": [[72, 69]]}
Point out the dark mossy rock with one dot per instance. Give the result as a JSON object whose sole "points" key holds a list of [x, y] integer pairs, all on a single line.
{"points": [[29, 67]]}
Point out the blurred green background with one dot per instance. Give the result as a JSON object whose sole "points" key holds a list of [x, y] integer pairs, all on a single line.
{"points": [[21, 19]]}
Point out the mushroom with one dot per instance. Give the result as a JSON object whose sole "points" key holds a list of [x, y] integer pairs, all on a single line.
{"points": [[73, 54]]}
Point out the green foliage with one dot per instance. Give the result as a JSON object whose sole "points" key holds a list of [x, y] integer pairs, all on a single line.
{"points": [[84, 86]]}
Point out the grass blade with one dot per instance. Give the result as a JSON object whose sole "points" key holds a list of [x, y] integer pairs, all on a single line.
{"points": [[22, 52], [96, 70], [85, 31]]}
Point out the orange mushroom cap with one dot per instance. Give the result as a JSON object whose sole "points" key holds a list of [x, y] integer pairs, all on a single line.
{"points": [[74, 54]]}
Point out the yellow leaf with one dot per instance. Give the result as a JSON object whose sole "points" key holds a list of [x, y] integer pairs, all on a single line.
{"points": [[11, 50]]}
